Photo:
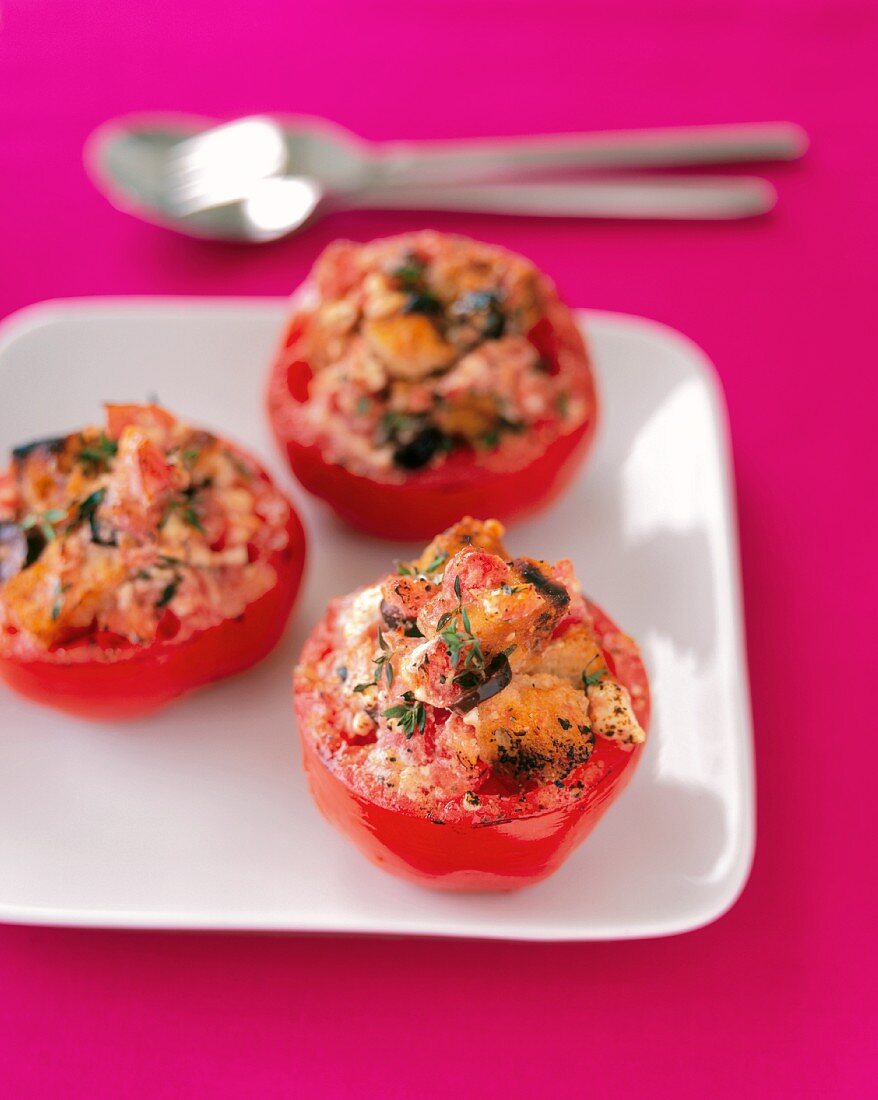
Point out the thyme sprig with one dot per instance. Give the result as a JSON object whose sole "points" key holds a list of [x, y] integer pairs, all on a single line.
{"points": [[187, 512], [437, 562], [99, 452], [46, 522], [57, 606], [383, 666], [409, 715], [590, 678], [168, 592], [463, 646], [405, 570]]}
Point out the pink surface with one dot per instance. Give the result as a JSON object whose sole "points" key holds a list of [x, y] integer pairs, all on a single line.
{"points": [[779, 995]]}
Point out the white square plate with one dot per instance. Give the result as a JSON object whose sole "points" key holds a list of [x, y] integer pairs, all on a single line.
{"points": [[199, 817]]}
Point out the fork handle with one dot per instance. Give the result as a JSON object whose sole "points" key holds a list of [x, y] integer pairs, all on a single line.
{"points": [[473, 160], [677, 197]]}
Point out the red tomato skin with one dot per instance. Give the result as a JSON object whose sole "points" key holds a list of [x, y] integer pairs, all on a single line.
{"points": [[142, 679], [432, 499], [457, 855]]}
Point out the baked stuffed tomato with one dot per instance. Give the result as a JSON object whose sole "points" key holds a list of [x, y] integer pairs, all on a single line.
{"points": [[468, 719], [425, 377], [138, 561]]}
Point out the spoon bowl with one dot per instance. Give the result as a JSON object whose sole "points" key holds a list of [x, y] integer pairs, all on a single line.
{"points": [[127, 159]]}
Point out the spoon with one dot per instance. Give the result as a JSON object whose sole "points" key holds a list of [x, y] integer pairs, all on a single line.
{"points": [[251, 180]]}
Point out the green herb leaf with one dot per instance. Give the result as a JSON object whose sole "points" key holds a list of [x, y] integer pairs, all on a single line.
{"points": [[438, 561], [59, 601], [489, 440], [410, 272], [394, 424], [99, 452], [193, 519], [89, 506], [170, 590], [589, 678], [87, 512], [409, 715]]}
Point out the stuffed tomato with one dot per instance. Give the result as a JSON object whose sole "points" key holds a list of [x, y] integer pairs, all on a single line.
{"points": [[468, 719], [426, 376], [138, 561]]}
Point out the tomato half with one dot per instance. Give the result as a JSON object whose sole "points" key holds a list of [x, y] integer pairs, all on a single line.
{"points": [[110, 678], [433, 498], [521, 847]]}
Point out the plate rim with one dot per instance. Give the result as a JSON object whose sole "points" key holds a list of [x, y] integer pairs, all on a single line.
{"points": [[43, 314]]}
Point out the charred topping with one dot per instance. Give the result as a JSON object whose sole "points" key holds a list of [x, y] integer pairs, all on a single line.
{"points": [[529, 571], [53, 444], [526, 763]]}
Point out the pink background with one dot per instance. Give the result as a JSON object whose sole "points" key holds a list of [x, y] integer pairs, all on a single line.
{"points": [[779, 995]]}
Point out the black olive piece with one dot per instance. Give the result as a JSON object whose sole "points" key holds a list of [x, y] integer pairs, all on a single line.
{"points": [[482, 307], [53, 444], [418, 452], [13, 550], [421, 301], [555, 593], [392, 616], [36, 544], [499, 673], [193, 490]]}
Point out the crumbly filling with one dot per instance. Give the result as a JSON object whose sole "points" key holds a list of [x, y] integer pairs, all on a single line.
{"points": [[468, 671], [145, 528], [426, 344]]}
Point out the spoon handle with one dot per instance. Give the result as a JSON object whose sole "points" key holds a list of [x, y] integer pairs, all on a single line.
{"points": [[677, 197], [470, 161]]}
